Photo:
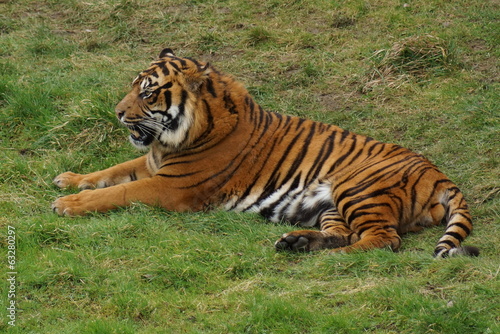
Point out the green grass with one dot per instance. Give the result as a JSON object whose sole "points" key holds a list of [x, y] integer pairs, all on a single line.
{"points": [[65, 64]]}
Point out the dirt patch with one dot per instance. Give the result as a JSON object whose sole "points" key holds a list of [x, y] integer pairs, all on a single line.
{"points": [[338, 102], [481, 60]]}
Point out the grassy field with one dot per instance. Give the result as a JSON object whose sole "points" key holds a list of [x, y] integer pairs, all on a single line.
{"points": [[423, 74]]}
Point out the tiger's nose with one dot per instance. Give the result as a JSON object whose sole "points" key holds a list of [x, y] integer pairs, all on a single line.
{"points": [[120, 113]]}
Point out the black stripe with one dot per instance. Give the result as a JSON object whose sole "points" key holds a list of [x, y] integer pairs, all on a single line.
{"points": [[258, 117], [166, 94], [299, 123], [277, 115], [359, 211], [257, 175], [194, 61], [372, 148], [448, 242], [272, 183], [396, 149], [370, 224], [305, 215], [455, 235], [344, 135], [175, 66], [362, 186], [288, 121], [371, 206], [300, 157], [177, 175], [413, 188], [462, 226], [208, 127], [324, 154], [164, 69], [167, 85], [169, 164], [182, 61], [370, 179], [268, 212], [249, 102], [251, 107], [357, 155], [464, 216], [241, 156], [456, 192], [345, 155], [168, 98], [228, 103], [293, 186], [182, 105], [210, 87], [343, 207]]}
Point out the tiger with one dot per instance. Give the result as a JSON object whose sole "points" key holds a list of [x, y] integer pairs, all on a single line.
{"points": [[209, 145]]}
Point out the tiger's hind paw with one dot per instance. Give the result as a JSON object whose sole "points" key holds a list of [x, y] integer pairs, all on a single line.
{"points": [[292, 242], [306, 240]]}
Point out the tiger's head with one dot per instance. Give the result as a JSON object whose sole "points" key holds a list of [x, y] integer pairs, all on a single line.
{"points": [[161, 106]]}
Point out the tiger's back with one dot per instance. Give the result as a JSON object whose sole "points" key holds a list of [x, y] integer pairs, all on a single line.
{"points": [[211, 145]]}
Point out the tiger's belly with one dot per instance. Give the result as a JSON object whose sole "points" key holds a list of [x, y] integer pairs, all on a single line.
{"points": [[299, 205]]}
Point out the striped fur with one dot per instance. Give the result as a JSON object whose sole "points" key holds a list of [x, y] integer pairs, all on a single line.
{"points": [[210, 145]]}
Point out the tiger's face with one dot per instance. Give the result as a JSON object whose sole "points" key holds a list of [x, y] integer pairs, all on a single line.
{"points": [[161, 105]]}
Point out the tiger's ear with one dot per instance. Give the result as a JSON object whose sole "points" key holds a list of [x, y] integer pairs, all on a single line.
{"points": [[196, 76], [167, 53], [205, 69]]}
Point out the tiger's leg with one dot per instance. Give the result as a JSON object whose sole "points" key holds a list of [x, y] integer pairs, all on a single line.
{"points": [[125, 172], [154, 191], [334, 232], [374, 238], [375, 225]]}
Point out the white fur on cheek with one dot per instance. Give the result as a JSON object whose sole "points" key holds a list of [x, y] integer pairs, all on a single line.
{"points": [[173, 111], [177, 136]]}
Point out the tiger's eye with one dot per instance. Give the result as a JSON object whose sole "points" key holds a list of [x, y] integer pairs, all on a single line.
{"points": [[147, 94]]}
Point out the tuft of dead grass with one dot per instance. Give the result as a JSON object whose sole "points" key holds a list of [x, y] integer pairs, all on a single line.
{"points": [[419, 57]]}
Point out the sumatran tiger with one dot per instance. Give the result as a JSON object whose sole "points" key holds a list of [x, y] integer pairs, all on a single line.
{"points": [[212, 146]]}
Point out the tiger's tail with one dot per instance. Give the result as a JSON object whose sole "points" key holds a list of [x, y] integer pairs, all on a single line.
{"points": [[458, 226]]}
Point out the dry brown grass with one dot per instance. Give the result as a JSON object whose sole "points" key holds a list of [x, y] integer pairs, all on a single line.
{"points": [[412, 57]]}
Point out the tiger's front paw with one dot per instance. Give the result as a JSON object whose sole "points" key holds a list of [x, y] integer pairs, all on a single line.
{"points": [[72, 205], [68, 180], [80, 181]]}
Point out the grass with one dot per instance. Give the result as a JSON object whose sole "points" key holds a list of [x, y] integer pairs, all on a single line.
{"points": [[417, 57], [423, 75]]}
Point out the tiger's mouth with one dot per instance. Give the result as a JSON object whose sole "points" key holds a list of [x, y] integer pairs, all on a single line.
{"points": [[139, 137]]}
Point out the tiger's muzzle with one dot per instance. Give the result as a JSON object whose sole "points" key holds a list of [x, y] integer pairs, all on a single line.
{"points": [[140, 136]]}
